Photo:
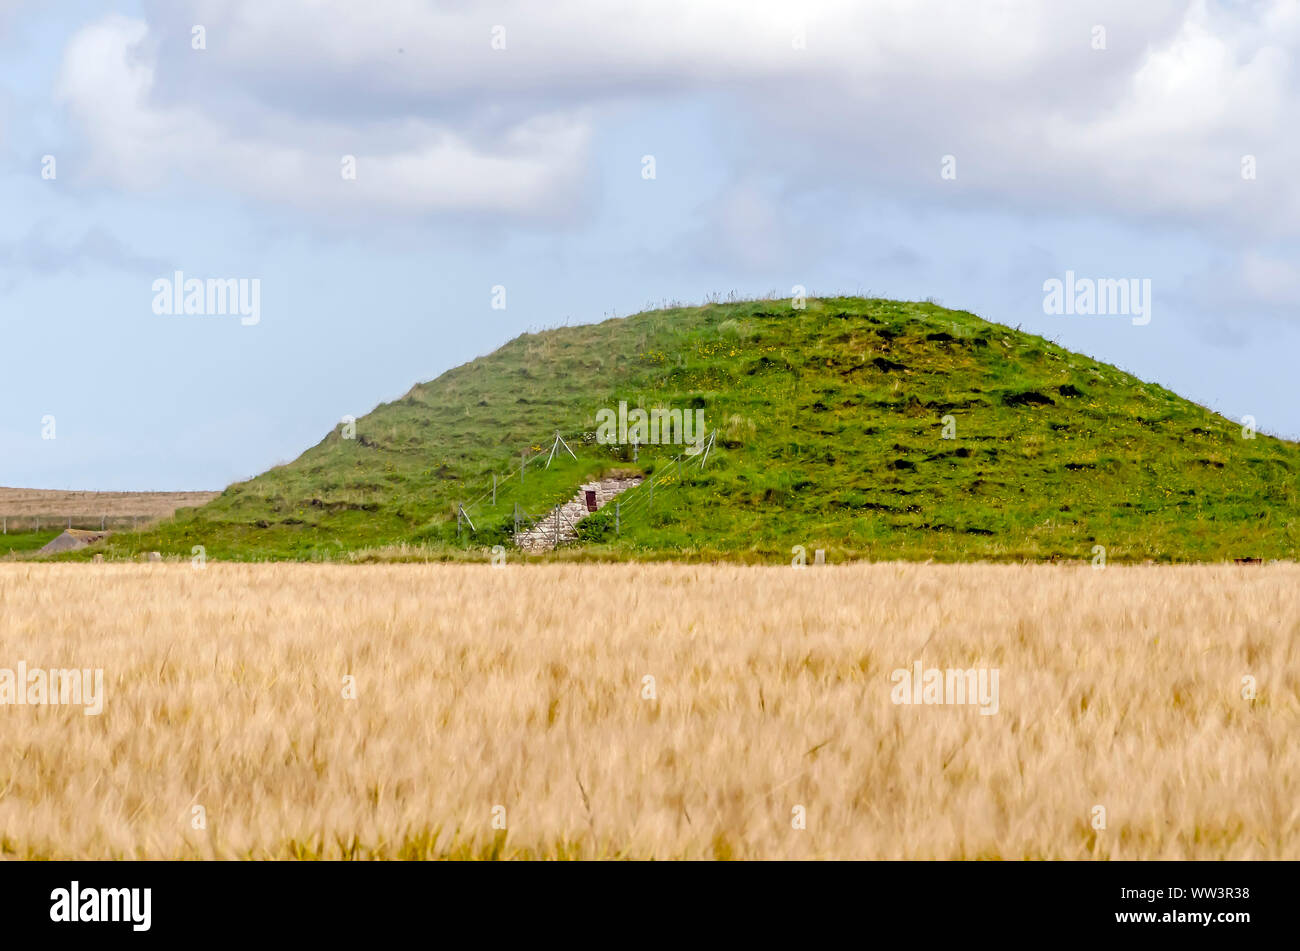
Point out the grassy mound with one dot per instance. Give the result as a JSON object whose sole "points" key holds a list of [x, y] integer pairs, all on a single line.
{"points": [[831, 429]]}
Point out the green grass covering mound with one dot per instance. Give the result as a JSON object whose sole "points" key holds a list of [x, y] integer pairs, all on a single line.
{"points": [[831, 424]]}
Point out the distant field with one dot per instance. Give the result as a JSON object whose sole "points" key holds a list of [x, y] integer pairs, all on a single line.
{"points": [[520, 695], [113, 504]]}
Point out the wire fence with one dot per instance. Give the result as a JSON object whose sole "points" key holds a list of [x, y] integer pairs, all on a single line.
{"points": [[631, 503], [640, 501], [20, 524], [504, 486]]}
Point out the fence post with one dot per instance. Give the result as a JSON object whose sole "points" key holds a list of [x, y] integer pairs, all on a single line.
{"points": [[460, 512], [6, 526], [38, 523], [616, 505], [494, 490], [523, 464], [516, 518], [103, 519]]}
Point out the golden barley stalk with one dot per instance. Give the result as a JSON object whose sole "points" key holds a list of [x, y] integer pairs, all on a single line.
{"points": [[519, 697]]}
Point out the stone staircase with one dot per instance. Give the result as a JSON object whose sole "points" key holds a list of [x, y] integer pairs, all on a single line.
{"points": [[542, 537]]}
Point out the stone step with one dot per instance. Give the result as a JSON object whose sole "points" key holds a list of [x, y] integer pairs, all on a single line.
{"points": [[542, 536]]}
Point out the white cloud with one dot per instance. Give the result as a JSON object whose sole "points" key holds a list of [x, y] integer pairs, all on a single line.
{"points": [[1154, 126], [110, 83], [1220, 89]]}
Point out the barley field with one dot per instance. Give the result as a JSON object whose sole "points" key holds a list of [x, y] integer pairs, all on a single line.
{"points": [[428, 711]]}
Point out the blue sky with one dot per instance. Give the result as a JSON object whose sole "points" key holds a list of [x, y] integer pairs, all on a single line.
{"points": [[776, 164]]}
